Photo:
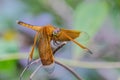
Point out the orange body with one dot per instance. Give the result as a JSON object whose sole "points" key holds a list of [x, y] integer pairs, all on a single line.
{"points": [[44, 47], [44, 36]]}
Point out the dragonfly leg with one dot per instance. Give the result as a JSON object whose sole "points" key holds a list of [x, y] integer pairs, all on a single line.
{"points": [[69, 69], [32, 51], [60, 46]]}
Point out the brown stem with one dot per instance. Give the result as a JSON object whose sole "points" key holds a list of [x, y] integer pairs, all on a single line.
{"points": [[31, 76], [70, 70], [36, 61]]}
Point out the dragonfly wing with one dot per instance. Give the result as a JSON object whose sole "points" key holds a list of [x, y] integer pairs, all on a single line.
{"points": [[61, 36]]}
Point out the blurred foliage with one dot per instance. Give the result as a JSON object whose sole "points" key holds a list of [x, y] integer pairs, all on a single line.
{"points": [[74, 3], [35, 7], [94, 75], [8, 70], [88, 16], [115, 12], [91, 16], [40, 6]]}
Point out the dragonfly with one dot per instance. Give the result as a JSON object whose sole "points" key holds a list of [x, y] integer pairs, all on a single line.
{"points": [[43, 37]]}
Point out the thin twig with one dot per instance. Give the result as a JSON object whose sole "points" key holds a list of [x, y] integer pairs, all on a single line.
{"points": [[36, 61], [31, 76], [67, 68]]}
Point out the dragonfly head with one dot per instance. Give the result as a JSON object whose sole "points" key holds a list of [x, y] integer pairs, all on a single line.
{"points": [[56, 31]]}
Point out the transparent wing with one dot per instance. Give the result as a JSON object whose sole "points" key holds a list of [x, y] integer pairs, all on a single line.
{"points": [[71, 33], [83, 36]]}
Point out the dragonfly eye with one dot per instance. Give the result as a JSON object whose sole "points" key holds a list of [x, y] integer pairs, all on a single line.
{"points": [[56, 31]]}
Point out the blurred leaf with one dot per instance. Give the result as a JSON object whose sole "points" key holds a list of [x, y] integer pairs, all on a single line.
{"points": [[8, 46], [73, 3], [7, 65], [116, 19], [115, 13], [36, 6], [88, 18], [7, 69]]}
